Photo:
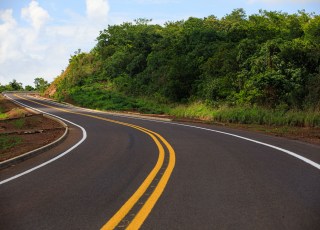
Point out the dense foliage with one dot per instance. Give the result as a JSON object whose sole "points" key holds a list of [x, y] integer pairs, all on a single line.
{"points": [[12, 86], [269, 60], [40, 85]]}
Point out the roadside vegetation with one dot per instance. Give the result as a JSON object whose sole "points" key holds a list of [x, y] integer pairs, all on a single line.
{"points": [[249, 115], [258, 69], [3, 115]]}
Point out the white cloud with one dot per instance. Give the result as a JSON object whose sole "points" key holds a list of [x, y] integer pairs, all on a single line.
{"points": [[7, 18], [97, 9], [8, 40], [35, 15], [42, 49]]}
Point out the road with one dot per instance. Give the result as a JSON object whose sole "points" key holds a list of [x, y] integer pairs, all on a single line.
{"points": [[128, 172]]}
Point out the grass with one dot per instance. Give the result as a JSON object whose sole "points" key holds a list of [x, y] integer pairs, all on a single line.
{"points": [[2, 113], [17, 112], [96, 98], [195, 110], [7, 142], [248, 115], [19, 123], [3, 116]]}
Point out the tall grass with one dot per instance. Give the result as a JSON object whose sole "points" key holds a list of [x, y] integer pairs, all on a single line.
{"points": [[195, 110], [249, 115], [98, 98]]}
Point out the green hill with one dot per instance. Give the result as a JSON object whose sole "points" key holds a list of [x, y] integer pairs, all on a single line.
{"points": [[263, 69]]}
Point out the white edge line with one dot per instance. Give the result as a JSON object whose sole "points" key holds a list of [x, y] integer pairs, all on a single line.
{"points": [[53, 159], [306, 160], [36, 150]]}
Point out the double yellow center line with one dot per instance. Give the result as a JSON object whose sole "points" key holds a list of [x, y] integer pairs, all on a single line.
{"points": [[145, 210]]}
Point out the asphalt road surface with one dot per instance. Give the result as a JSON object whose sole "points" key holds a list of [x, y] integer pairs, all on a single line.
{"points": [[128, 172]]}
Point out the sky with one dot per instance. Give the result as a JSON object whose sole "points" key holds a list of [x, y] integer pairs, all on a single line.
{"points": [[37, 37]]}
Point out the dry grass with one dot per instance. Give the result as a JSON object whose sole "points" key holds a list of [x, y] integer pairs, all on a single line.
{"points": [[9, 110]]}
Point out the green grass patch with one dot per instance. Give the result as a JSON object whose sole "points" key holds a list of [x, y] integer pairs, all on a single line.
{"points": [[143, 105], [97, 98], [7, 142], [2, 113], [3, 116], [18, 123]]}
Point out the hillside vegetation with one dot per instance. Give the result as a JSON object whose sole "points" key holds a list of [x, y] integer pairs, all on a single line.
{"points": [[261, 69]]}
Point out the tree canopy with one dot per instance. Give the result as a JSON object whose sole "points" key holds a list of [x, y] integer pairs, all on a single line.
{"points": [[267, 59]]}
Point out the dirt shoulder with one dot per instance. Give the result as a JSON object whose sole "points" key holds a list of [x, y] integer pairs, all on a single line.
{"points": [[22, 131]]}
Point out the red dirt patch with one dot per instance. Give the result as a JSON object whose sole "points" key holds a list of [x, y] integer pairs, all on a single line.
{"points": [[24, 131]]}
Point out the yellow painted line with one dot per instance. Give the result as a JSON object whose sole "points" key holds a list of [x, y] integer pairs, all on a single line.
{"points": [[151, 201], [123, 211]]}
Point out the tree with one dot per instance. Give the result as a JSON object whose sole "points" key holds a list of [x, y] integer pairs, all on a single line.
{"points": [[28, 88], [2, 88], [312, 30], [14, 85], [267, 59], [40, 84]]}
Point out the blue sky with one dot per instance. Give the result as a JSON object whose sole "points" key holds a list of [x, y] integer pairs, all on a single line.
{"points": [[37, 37]]}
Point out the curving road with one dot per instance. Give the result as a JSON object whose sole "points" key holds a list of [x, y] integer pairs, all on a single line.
{"points": [[128, 172]]}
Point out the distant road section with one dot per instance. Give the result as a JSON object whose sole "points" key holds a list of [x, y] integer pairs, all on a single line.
{"points": [[138, 173]]}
